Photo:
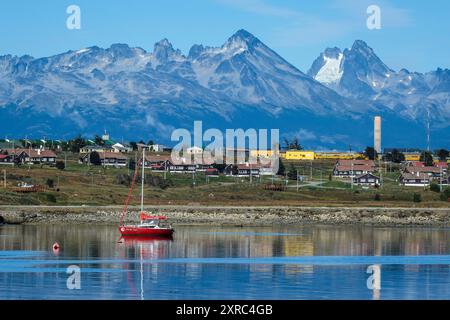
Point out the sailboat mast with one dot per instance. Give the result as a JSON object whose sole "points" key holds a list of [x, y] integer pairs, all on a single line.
{"points": [[143, 178]]}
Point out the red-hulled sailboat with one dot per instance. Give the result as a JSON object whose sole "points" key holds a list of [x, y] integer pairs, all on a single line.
{"points": [[150, 225]]}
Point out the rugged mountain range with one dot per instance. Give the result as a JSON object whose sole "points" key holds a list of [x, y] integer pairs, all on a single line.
{"points": [[359, 73], [137, 94]]}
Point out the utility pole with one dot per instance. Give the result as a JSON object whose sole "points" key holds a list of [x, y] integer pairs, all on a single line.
{"points": [[4, 178], [352, 175], [440, 174], [381, 176], [29, 157]]}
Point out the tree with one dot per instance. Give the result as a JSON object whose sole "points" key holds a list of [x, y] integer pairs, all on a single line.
{"points": [[427, 158], [293, 145], [395, 156], [134, 145], [99, 140], [281, 168], [292, 173], [443, 154], [371, 153], [150, 142], [94, 158], [76, 144]]}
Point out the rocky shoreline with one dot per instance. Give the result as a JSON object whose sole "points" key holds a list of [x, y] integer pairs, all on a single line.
{"points": [[237, 216]]}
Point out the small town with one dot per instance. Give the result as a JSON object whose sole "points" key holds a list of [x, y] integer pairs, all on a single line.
{"points": [[69, 172]]}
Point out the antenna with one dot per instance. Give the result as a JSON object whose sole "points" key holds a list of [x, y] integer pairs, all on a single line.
{"points": [[428, 129]]}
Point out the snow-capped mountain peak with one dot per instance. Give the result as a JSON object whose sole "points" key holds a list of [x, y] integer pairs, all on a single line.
{"points": [[327, 69], [363, 75]]}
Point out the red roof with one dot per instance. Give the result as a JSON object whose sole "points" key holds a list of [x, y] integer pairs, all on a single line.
{"points": [[3, 156], [423, 169], [112, 155], [441, 164], [355, 168], [36, 153], [410, 176], [356, 163]]}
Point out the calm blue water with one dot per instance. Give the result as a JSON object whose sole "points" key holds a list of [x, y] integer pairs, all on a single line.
{"points": [[303, 262]]}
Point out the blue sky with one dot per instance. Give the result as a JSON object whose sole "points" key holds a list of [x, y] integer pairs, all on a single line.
{"points": [[414, 34]]}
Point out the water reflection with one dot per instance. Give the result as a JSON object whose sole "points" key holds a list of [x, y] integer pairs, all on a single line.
{"points": [[134, 268]]}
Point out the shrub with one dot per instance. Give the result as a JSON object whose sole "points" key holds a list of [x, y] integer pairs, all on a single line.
{"points": [[123, 179], [377, 197], [94, 158], [131, 164], [60, 165], [51, 198], [157, 181], [417, 197], [50, 183], [435, 187], [445, 195]]}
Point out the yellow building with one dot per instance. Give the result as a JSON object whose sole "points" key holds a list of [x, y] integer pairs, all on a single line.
{"points": [[300, 155], [412, 156], [339, 155], [261, 153]]}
